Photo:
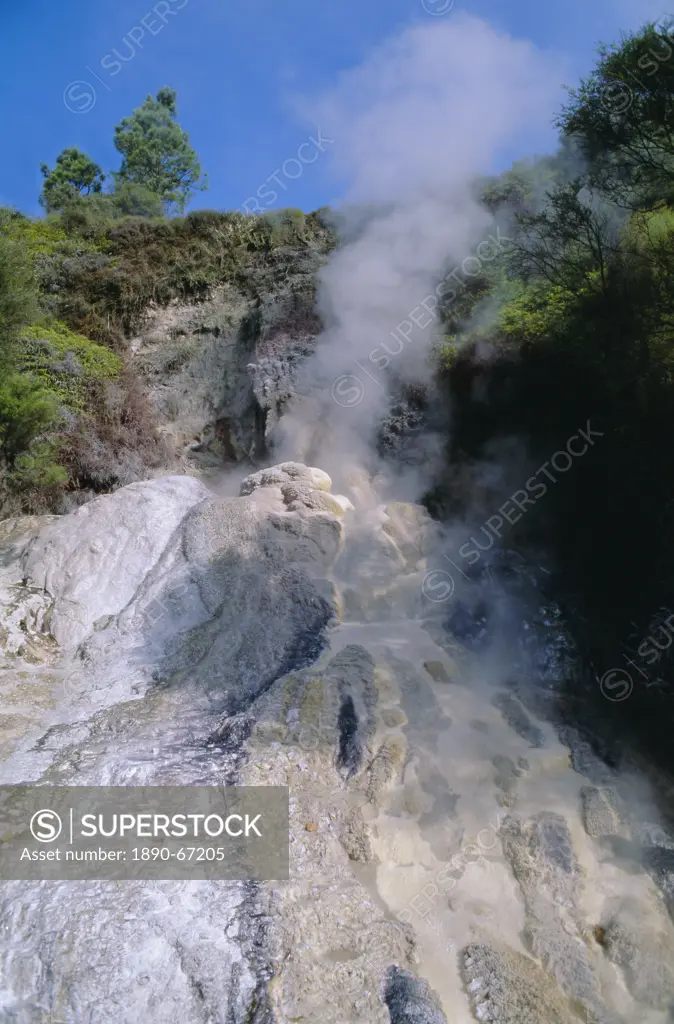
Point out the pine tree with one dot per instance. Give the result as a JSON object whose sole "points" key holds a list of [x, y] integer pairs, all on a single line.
{"points": [[157, 153]]}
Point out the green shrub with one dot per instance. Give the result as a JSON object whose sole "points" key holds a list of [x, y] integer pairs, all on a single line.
{"points": [[535, 312], [282, 226], [18, 297], [27, 410], [67, 363], [92, 216], [47, 236], [97, 361], [36, 468]]}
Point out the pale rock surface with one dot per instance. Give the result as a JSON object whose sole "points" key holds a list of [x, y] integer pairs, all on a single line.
{"points": [[196, 604], [23, 606], [91, 562]]}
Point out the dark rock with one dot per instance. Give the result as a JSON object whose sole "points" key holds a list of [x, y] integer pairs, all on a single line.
{"points": [[470, 625], [553, 842], [352, 669], [350, 753], [437, 671], [584, 758], [507, 774], [411, 1000]]}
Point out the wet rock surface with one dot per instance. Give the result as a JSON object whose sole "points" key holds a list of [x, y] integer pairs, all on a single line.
{"points": [[600, 815], [640, 941], [517, 719], [506, 775], [508, 988], [541, 854], [659, 862]]}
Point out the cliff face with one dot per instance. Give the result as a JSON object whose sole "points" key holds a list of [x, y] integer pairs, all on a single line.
{"points": [[219, 373], [219, 366]]}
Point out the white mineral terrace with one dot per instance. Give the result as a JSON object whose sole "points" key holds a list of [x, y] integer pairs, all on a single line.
{"points": [[451, 858]]}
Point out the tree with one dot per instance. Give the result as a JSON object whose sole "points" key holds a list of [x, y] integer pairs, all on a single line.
{"points": [[157, 153], [571, 242], [75, 174], [622, 117]]}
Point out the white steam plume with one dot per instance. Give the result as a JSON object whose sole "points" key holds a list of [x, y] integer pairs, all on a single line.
{"points": [[427, 112]]}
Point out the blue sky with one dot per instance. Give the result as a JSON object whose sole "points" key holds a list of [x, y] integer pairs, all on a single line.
{"points": [[238, 67]]}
